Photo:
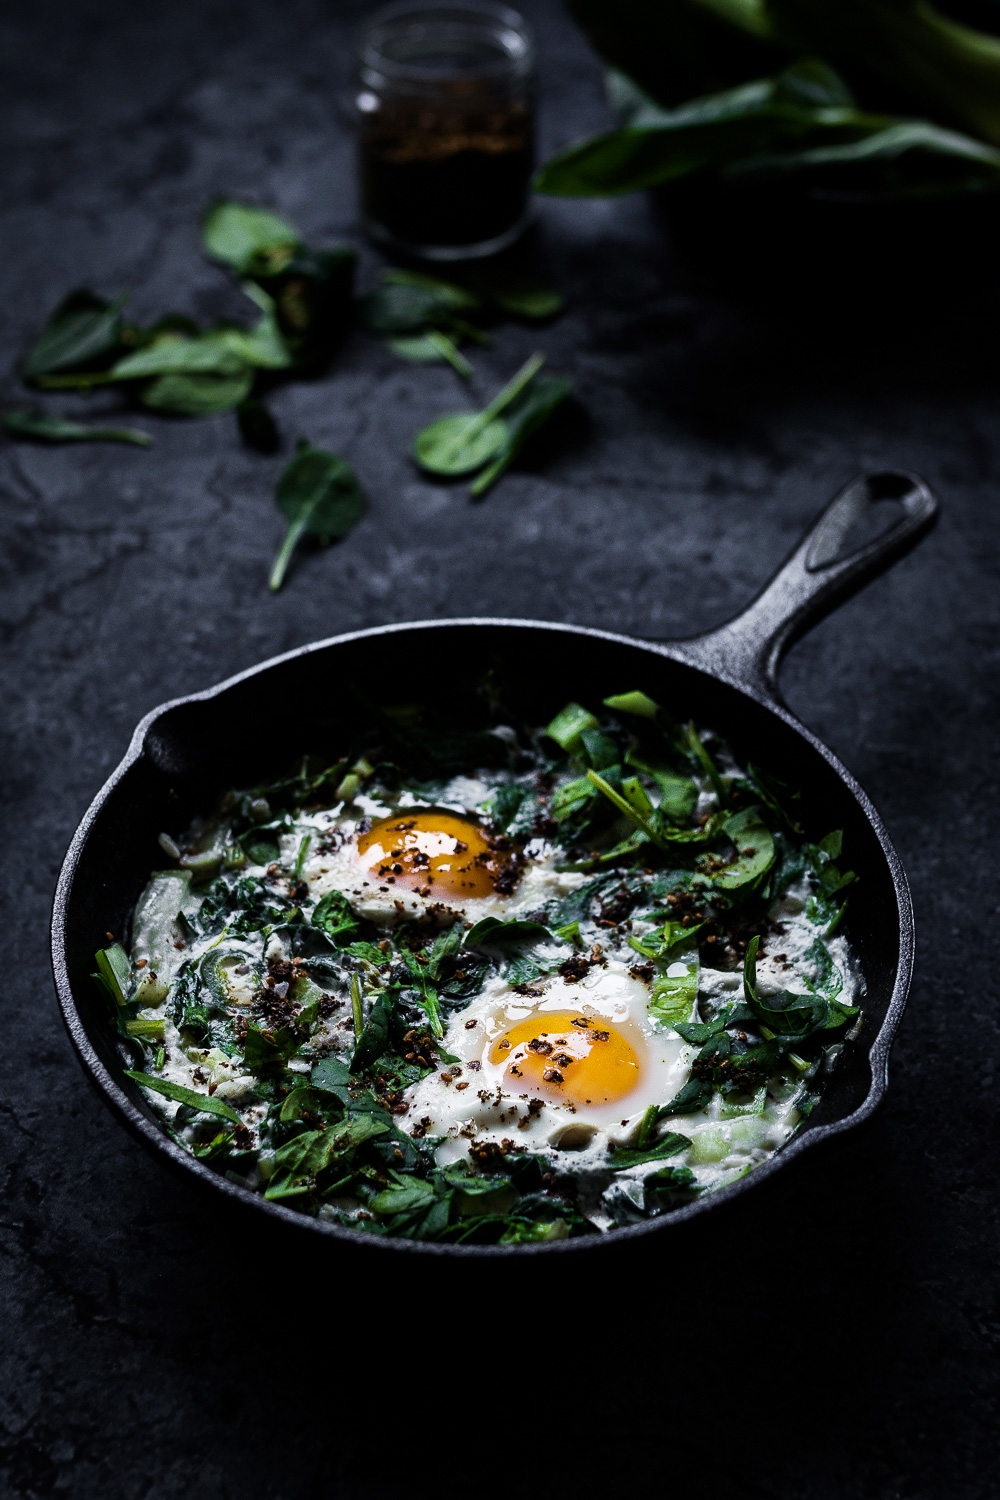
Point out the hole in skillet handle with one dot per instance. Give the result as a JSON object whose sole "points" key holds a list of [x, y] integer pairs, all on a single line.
{"points": [[870, 510]]}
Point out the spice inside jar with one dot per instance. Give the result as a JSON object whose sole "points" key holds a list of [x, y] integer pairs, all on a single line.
{"points": [[446, 128]]}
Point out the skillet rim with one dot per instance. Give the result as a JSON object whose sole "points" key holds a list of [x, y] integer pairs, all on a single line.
{"points": [[153, 1137]]}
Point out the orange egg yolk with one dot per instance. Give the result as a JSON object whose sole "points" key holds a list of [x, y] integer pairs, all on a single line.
{"points": [[569, 1057], [434, 852]]}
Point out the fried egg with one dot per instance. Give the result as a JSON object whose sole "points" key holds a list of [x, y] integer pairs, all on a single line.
{"points": [[568, 1065], [417, 859]]}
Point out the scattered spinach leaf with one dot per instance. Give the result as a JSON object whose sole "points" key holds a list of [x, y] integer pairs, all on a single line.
{"points": [[40, 428], [83, 333], [320, 494], [524, 417], [462, 443], [250, 241], [197, 395]]}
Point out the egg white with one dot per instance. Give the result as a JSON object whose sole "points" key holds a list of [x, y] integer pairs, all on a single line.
{"points": [[489, 1109]]}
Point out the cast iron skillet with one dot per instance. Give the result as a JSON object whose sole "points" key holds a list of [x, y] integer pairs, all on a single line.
{"points": [[238, 733]]}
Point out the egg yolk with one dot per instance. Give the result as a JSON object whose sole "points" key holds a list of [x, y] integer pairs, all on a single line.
{"points": [[434, 852], [569, 1057]]}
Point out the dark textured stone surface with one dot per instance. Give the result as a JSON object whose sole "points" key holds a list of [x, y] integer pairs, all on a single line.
{"points": [[837, 1336]]}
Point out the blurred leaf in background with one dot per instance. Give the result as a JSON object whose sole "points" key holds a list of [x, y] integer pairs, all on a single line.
{"points": [[819, 89]]}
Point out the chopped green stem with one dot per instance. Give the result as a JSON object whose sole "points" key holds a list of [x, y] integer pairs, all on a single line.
{"points": [[296, 530], [300, 858], [433, 1013], [148, 1027], [447, 349], [706, 761], [837, 919], [511, 390], [72, 382], [647, 1125], [359, 1020], [636, 817], [489, 476]]}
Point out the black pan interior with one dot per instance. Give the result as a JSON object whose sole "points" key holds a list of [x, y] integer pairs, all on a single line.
{"points": [[256, 728]]}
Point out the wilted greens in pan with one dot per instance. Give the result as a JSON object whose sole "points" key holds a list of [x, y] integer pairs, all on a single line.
{"points": [[492, 983]]}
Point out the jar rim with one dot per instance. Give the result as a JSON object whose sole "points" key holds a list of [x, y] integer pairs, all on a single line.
{"points": [[506, 25]]}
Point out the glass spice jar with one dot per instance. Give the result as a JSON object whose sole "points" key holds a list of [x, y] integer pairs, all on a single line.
{"points": [[446, 127]]}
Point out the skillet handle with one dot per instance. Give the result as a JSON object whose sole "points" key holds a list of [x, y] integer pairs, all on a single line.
{"points": [[748, 650]]}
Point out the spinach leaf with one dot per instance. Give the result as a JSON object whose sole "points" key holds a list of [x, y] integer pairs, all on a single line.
{"points": [[203, 1103], [446, 946], [424, 317], [40, 428], [755, 846], [691, 1099], [573, 798], [197, 395], [222, 351], [827, 979], [459, 444], [524, 417], [250, 241], [411, 302], [598, 750], [512, 944], [534, 1231], [83, 333], [462, 443], [916, 49], [332, 1076], [519, 292], [670, 1187], [577, 905], [675, 988], [671, 1144], [415, 1209], [306, 1157], [320, 494], [801, 119], [265, 1050], [334, 915], [374, 1039], [503, 809], [431, 348], [787, 1015]]}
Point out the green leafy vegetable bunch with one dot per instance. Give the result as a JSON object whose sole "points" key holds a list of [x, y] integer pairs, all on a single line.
{"points": [[892, 97]]}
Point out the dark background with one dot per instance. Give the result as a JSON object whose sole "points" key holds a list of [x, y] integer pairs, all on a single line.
{"points": [[835, 1335]]}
